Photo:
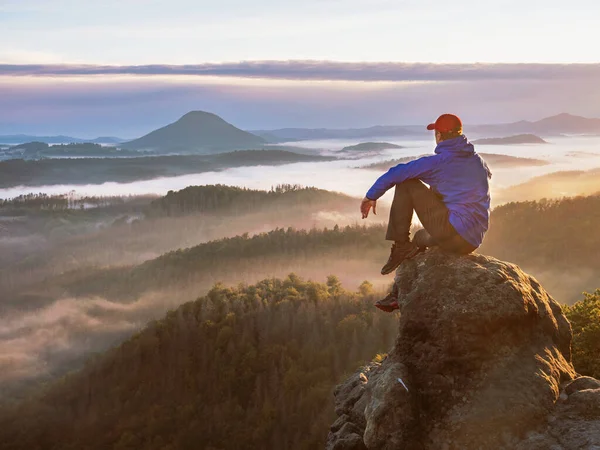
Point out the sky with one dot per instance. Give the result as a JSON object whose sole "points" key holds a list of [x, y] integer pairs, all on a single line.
{"points": [[272, 63]]}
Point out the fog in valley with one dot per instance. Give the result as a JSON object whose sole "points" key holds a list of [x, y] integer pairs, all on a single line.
{"points": [[562, 153], [76, 280]]}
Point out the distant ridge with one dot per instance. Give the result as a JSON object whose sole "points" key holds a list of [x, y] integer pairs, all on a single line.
{"points": [[200, 131], [511, 140], [16, 139], [563, 123], [197, 132]]}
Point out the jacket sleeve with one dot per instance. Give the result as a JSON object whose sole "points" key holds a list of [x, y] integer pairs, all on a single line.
{"points": [[422, 167]]}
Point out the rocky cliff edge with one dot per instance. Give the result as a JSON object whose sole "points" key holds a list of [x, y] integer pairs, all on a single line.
{"points": [[482, 360]]}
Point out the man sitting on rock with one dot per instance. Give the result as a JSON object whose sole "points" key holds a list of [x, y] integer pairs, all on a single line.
{"points": [[454, 209]]}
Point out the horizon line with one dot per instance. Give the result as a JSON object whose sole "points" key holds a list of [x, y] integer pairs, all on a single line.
{"points": [[253, 130]]}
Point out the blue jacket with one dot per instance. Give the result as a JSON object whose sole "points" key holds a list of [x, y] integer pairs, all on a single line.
{"points": [[459, 174]]}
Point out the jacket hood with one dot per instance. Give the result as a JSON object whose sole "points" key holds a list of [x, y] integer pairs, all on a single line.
{"points": [[456, 145]]}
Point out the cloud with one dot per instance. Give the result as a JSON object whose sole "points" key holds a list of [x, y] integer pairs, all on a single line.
{"points": [[90, 101], [326, 70], [16, 56], [37, 343]]}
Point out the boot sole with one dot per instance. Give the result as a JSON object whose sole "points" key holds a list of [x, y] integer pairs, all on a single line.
{"points": [[412, 254], [387, 308]]}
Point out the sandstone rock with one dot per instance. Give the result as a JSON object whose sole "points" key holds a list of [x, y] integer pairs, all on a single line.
{"points": [[383, 416], [347, 431], [575, 424], [352, 441], [341, 420], [483, 351], [581, 384], [586, 403]]}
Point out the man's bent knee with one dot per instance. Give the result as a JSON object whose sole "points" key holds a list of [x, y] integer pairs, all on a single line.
{"points": [[411, 185]]}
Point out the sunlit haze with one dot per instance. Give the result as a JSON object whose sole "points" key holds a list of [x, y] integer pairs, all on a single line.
{"points": [[231, 57]]}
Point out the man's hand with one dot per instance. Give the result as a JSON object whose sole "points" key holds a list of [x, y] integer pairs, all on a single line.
{"points": [[365, 207]]}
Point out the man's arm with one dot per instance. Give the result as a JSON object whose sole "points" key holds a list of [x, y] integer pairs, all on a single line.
{"points": [[415, 169]]}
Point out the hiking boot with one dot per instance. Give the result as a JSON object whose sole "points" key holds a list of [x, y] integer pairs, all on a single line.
{"points": [[400, 252], [423, 239], [389, 303]]}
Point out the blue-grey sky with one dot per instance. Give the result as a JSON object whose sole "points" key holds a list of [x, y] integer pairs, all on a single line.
{"points": [[211, 55]]}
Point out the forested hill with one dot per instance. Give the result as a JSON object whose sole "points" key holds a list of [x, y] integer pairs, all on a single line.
{"points": [[542, 236], [253, 367], [554, 240], [239, 369], [40, 150], [201, 199], [109, 231], [554, 233], [236, 259], [535, 235]]}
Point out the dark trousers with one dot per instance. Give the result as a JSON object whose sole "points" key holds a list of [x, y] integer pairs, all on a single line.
{"points": [[413, 195]]}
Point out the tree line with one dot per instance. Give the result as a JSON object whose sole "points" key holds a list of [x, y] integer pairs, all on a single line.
{"points": [[240, 368], [561, 233], [209, 198], [42, 201]]}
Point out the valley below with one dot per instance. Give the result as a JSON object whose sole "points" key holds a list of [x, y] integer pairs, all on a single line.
{"points": [[94, 252]]}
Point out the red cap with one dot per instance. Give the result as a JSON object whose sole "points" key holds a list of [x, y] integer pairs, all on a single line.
{"points": [[446, 123]]}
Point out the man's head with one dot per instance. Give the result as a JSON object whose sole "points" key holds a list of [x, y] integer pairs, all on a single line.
{"points": [[447, 126]]}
